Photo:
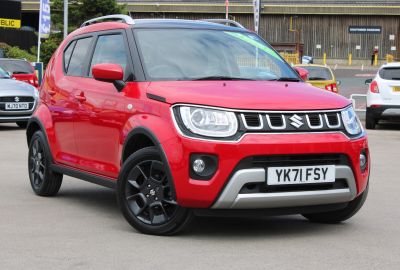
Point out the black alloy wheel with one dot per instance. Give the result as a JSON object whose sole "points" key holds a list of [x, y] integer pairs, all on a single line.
{"points": [[43, 180], [146, 195]]}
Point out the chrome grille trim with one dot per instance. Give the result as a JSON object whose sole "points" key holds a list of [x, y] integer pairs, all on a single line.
{"points": [[260, 127], [277, 127], [321, 123], [333, 126]]}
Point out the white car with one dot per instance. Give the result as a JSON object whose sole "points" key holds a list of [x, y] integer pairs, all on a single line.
{"points": [[383, 95], [17, 100]]}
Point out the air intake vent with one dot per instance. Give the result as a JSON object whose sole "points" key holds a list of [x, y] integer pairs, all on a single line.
{"points": [[276, 121], [333, 120], [252, 121]]}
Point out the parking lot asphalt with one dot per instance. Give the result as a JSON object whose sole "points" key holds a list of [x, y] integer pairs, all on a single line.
{"points": [[82, 228]]}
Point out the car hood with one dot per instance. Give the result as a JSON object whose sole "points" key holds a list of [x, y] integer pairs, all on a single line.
{"points": [[252, 95], [10, 87]]}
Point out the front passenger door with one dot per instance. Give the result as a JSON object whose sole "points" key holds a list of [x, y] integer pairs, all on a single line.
{"points": [[102, 111]]}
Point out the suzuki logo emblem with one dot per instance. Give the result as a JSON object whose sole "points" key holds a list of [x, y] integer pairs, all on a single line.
{"points": [[296, 121], [16, 99]]}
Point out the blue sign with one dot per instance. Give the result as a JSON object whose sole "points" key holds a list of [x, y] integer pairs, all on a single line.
{"points": [[44, 19]]}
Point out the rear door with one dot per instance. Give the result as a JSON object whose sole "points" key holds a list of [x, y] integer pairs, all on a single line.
{"points": [[63, 103], [102, 112], [389, 85]]}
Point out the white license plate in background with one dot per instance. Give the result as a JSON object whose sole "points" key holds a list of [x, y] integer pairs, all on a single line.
{"points": [[301, 175], [17, 106]]}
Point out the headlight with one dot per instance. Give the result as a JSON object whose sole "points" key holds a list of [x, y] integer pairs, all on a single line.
{"points": [[36, 93], [209, 122], [350, 121]]}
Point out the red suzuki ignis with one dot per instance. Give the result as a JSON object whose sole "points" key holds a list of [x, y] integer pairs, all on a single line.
{"points": [[187, 118]]}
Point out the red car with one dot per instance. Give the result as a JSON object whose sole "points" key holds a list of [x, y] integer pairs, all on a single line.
{"points": [[20, 69], [187, 118]]}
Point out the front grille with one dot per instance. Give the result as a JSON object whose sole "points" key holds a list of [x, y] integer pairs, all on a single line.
{"points": [[291, 122], [299, 160], [288, 161], [19, 98]]}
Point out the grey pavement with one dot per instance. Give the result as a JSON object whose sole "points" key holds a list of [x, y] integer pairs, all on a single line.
{"points": [[82, 228]]}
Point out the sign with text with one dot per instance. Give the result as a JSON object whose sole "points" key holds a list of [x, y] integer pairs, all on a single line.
{"points": [[375, 30], [44, 19], [256, 7], [10, 13]]}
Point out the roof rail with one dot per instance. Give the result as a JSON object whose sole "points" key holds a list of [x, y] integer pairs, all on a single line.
{"points": [[115, 17], [225, 21]]}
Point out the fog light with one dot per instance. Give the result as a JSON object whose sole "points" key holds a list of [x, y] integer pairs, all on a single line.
{"points": [[199, 165], [363, 161]]}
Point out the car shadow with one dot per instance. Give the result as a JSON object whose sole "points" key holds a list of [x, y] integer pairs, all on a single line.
{"points": [[388, 125], [270, 227], [96, 198], [103, 200], [9, 126]]}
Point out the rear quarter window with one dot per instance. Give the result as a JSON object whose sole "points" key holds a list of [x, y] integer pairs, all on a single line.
{"points": [[67, 55], [78, 59], [390, 73]]}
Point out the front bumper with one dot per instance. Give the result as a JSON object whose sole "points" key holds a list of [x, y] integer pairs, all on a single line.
{"points": [[231, 198], [213, 193]]}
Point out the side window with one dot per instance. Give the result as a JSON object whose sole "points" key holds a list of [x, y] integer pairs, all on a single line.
{"points": [[67, 55], [110, 49], [77, 62]]}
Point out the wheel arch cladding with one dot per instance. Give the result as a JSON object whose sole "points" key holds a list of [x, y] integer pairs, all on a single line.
{"points": [[150, 139], [33, 126]]}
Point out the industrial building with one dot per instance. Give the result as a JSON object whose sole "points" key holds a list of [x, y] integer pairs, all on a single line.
{"points": [[334, 27]]}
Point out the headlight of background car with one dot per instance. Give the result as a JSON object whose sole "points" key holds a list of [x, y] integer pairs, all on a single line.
{"points": [[36, 93], [209, 122], [351, 122]]}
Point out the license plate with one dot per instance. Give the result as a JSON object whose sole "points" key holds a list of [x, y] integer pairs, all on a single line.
{"points": [[301, 175], [17, 106], [396, 88]]}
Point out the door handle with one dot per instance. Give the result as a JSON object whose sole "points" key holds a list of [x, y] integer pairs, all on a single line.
{"points": [[51, 92], [80, 97]]}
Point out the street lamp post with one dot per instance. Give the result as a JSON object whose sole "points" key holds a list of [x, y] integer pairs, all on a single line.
{"points": [[65, 18]]}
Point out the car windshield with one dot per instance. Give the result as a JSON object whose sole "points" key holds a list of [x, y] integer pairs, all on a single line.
{"points": [[318, 73], [193, 54], [392, 73], [16, 66], [3, 74]]}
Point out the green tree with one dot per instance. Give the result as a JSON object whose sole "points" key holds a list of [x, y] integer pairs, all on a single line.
{"points": [[78, 12]]}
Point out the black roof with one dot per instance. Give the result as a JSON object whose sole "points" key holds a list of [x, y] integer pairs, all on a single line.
{"points": [[188, 24]]}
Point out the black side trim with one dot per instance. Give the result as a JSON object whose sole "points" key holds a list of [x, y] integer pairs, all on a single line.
{"points": [[147, 132], [36, 120], [95, 179], [155, 97]]}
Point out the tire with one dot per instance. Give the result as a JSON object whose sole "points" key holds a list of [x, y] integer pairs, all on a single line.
{"points": [[22, 124], [146, 197], [338, 216], [43, 180], [370, 120]]}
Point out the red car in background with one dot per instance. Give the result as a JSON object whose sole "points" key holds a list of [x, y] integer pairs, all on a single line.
{"points": [[21, 70]]}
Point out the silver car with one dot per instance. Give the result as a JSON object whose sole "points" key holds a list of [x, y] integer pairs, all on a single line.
{"points": [[17, 100]]}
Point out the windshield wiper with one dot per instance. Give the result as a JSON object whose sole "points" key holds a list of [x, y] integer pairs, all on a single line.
{"points": [[222, 78], [286, 79]]}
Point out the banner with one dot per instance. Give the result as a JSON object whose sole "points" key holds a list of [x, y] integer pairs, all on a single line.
{"points": [[10, 13], [256, 6], [44, 19]]}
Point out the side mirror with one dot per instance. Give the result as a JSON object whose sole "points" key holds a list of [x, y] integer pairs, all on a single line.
{"points": [[303, 73], [368, 81], [112, 73], [338, 83]]}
